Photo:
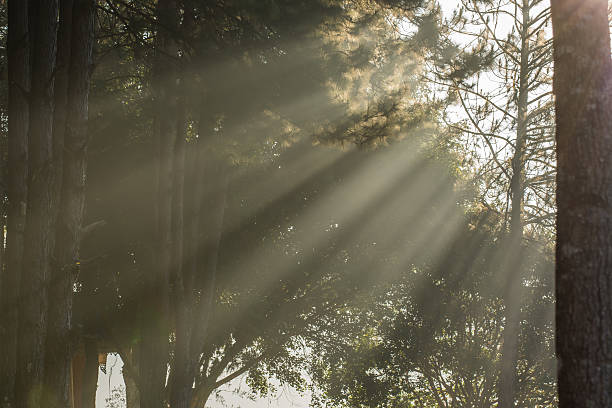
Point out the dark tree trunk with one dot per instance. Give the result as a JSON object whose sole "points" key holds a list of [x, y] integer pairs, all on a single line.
{"points": [[84, 368], [583, 89], [39, 234], [155, 347], [72, 199], [64, 48], [18, 123], [87, 394], [56, 392]]}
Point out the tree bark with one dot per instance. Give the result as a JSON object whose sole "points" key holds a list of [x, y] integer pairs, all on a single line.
{"points": [[18, 124], [583, 88], [64, 48], [72, 200], [56, 390], [39, 224]]}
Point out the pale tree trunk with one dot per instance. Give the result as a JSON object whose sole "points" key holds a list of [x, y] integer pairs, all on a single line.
{"points": [[39, 234], [18, 122], [72, 200], [512, 299], [583, 89]]}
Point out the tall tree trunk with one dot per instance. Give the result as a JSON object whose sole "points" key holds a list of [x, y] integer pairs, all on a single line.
{"points": [[583, 88], [56, 392], [155, 348], [72, 200], [512, 299], [39, 234], [18, 123]]}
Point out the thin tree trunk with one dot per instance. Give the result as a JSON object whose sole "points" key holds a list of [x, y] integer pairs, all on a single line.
{"points": [[583, 88], [18, 123], [39, 234], [512, 300], [72, 200]]}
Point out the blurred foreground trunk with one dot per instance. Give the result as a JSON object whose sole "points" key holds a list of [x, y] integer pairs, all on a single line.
{"points": [[583, 89]]}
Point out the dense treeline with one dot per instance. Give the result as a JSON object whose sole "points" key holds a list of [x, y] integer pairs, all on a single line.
{"points": [[352, 198]]}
